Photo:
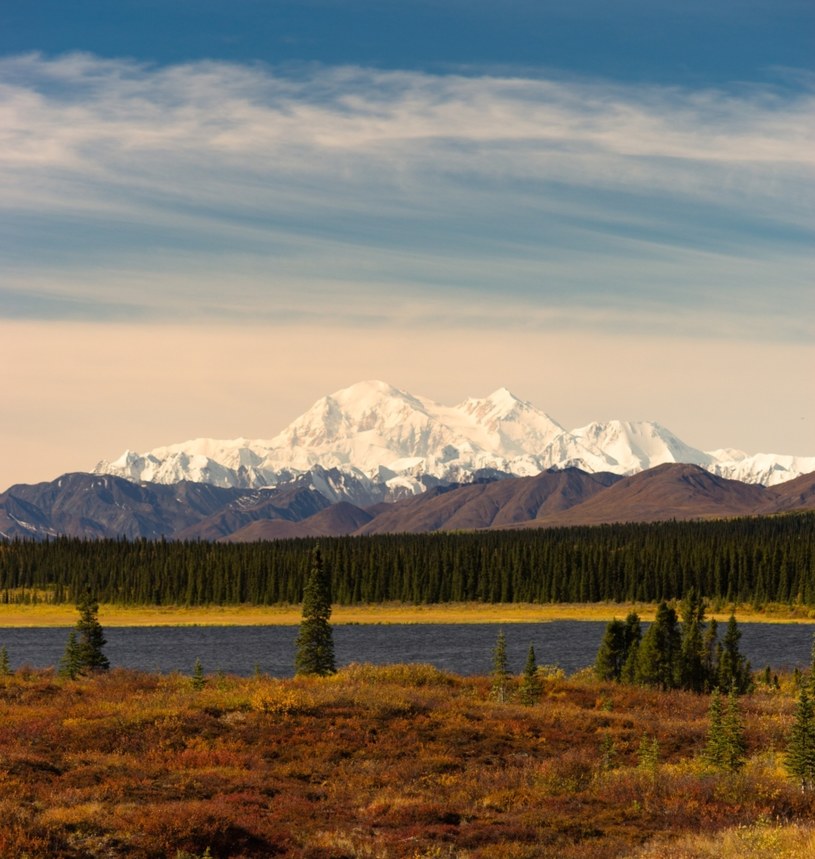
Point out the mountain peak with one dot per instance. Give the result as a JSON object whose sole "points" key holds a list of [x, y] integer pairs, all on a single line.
{"points": [[505, 399], [384, 434]]}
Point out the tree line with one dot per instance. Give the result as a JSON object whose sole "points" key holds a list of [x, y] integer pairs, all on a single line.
{"points": [[757, 560]]}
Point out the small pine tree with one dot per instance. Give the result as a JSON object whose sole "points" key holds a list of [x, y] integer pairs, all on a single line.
{"points": [[608, 754], [198, 680], [735, 744], [648, 757], [5, 665], [714, 750], [500, 668], [801, 743], [70, 665], [315, 642], [530, 683], [90, 636]]}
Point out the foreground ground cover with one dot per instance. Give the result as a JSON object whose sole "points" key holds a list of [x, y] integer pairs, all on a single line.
{"points": [[399, 761], [42, 614]]}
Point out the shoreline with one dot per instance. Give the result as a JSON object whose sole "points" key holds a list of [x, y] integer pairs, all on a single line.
{"points": [[44, 615]]}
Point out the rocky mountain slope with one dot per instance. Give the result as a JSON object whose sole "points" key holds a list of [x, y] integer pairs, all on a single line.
{"points": [[95, 506]]}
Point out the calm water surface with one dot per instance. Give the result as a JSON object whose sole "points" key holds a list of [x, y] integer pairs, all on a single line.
{"points": [[462, 648]]}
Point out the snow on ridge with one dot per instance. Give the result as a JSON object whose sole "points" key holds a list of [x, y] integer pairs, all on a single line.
{"points": [[379, 434]]}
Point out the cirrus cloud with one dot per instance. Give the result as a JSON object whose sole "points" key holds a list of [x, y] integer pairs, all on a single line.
{"points": [[212, 189]]}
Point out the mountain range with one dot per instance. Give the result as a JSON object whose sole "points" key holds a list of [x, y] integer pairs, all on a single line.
{"points": [[373, 459], [94, 506], [394, 443]]}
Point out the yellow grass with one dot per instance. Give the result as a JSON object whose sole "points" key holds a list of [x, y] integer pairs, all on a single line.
{"points": [[762, 840], [110, 615]]}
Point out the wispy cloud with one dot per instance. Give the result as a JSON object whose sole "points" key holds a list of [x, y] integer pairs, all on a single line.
{"points": [[212, 189]]}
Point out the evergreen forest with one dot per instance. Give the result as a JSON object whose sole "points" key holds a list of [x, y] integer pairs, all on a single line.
{"points": [[757, 560]]}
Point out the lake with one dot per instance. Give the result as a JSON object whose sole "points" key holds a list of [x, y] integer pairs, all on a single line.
{"points": [[461, 648]]}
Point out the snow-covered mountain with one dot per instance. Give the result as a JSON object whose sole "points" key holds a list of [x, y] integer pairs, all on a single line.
{"points": [[378, 435]]}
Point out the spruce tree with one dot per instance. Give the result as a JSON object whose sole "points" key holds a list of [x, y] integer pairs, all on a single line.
{"points": [[5, 665], [711, 654], [315, 641], [801, 743], [733, 669], [735, 744], [715, 748], [90, 636], [692, 662], [612, 653], [648, 757], [811, 668], [69, 664], [658, 655], [500, 668], [198, 680], [633, 638], [530, 683]]}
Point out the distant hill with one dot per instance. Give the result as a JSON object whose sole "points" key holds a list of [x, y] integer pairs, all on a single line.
{"points": [[97, 506]]}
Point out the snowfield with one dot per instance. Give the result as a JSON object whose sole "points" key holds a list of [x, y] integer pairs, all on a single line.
{"points": [[379, 435]]}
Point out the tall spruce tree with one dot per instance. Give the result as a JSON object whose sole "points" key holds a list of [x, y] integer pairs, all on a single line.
{"points": [[315, 641], [692, 663], [500, 669], [633, 638], [715, 747], [617, 654], [726, 744], [801, 743], [658, 656], [530, 682], [90, 637], [612, 653], [733, 669], [711, 652], [735, 743]]}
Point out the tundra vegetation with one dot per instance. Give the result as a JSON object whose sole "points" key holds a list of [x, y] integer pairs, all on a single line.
{"points": [[629, 759], [400, 761]]}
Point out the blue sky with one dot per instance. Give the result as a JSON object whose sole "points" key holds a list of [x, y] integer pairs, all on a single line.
{"points": [[213, 213]]}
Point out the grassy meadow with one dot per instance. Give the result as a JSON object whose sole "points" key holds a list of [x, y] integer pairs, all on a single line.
{"points": [[48, 614], [397, 761]]}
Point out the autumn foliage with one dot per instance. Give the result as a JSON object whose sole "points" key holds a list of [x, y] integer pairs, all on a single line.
{"points": [[398, 761]]}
